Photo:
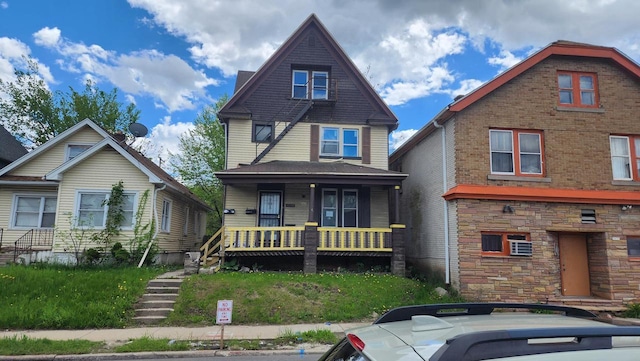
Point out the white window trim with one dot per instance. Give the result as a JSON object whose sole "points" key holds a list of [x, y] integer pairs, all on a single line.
{"points": [[293, 84], [513, 161], [357, 206], [68, 149], [14, 207], [322, 208], [340, 141], [629, 160], [166, 228], [196, 223], [185, 228], [76, 208], [520, 152], [313, 84]]}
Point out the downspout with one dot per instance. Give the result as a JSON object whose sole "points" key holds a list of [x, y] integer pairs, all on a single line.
{"points": [[447, 261], [155, 217]]}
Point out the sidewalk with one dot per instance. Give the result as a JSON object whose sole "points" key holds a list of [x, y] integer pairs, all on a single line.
{"points": [[235, 332]]}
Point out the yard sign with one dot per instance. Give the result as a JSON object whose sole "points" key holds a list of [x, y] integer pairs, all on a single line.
{"points": [[223, 315]]}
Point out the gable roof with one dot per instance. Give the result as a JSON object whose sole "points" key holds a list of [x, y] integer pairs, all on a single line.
{"points": [[11, 148], [558, 48], [234, 105], [156, 174]]}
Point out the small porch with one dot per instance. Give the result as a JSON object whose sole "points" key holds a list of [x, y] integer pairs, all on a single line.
{"points": [[310, 209]]}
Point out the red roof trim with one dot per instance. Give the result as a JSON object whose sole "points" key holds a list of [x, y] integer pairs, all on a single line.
{"points": [[582, 50], [465, 191]]}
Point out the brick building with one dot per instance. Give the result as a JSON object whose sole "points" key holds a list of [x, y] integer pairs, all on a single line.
{"points": [[527, 189]]}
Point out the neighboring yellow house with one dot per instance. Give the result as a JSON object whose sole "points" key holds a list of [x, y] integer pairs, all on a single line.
{"points": [[52, 199]]}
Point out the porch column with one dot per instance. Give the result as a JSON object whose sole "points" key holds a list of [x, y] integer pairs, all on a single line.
{"points": [[397, 257], [396, 205], [310, 242], [312, 203]]}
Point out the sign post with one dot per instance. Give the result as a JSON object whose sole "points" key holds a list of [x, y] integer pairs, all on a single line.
{"points": [[223, 317]]}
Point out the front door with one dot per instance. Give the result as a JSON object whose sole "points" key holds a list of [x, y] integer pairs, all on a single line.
{"points": [[574, 265], [270, 209]]}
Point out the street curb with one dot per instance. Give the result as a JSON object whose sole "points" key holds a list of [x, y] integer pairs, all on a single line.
{"points": [[169, 354]]}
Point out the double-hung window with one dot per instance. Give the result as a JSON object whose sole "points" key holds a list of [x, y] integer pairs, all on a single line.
{"points": [[633, 247], [625, 157], [339, 207], [577, 89], [339, 142], [310, 84], [506, 244], [92, 209], [516, 152], [165, 221], [34, 211]]}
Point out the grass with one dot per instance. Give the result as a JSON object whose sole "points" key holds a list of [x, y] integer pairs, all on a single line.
{"points": [[291, 298], [28, 346], [153, 344], [49, 297]]}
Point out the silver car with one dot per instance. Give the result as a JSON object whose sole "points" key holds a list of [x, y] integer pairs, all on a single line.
{"points": [[488, 331]]}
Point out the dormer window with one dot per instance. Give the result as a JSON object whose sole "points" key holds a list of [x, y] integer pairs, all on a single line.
{"points": [[310, 84], [73, 150]]}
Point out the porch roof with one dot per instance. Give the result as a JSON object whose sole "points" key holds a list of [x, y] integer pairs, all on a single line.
{"points": [[279, 171]]}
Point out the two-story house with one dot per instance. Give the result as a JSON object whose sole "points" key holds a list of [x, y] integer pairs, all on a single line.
{"points": [[307, 177], [54, 198], [527, 188]]}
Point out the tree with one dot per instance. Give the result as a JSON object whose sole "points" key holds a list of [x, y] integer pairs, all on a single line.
{"points": [[35, 114], [203, 153]]}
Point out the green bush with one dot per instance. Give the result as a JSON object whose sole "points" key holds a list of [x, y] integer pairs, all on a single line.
{"points": [[633, 310]]}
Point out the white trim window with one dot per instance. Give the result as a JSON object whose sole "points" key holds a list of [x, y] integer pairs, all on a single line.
{"points": [[92, 209], [185, 228], [196, 223], [73, 150], [516, 152], [165, 221], [329, 208], [320, 85], [34, 211], [300, 84], [625, 157], [350, 208], [337, 142]]}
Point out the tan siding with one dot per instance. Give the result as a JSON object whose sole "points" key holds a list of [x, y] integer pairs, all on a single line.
{"points": [[241, 198], [294, 145], [379, 208], [7, 194], [176, 240], [296, 195], [99, 172], [55, 156]]}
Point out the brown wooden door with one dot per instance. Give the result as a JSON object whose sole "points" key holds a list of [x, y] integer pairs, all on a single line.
{"points": [[574, 265]]}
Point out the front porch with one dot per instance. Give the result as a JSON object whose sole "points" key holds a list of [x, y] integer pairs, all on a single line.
{"points": [[309, 242]]}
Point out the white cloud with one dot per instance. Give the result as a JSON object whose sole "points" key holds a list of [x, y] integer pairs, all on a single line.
{"points": [[398, 138], [400, 43], [163, 140], [4, 5], [171, 81], [13, 54], [504, 60], [466, 86], [47, 37]]}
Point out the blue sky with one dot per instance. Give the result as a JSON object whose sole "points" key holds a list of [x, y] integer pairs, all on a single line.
{"points": [[173, 57]]}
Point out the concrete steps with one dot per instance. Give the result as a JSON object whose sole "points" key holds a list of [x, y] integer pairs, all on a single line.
{"points": [[6, 257], [157, 303]]}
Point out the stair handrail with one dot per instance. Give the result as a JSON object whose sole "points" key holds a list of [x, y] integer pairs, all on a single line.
{"points": [[26, 240], [207, 249]]}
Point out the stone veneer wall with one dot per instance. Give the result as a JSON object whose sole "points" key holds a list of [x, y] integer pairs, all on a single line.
{"points": [[536, 279]]}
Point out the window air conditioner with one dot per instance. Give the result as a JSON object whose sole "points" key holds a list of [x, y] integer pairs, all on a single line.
{"points": [[521, 248]]}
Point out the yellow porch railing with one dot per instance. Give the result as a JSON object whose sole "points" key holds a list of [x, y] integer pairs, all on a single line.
{"points": [[355, 239], [264, 238]]}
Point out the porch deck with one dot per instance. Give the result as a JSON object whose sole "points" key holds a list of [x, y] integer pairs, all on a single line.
{"points": [[270, 241]]}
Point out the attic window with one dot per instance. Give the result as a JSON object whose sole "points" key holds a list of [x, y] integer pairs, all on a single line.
{"points": [[310, 83], [73, 150], [577, 89], [588, 216]]}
